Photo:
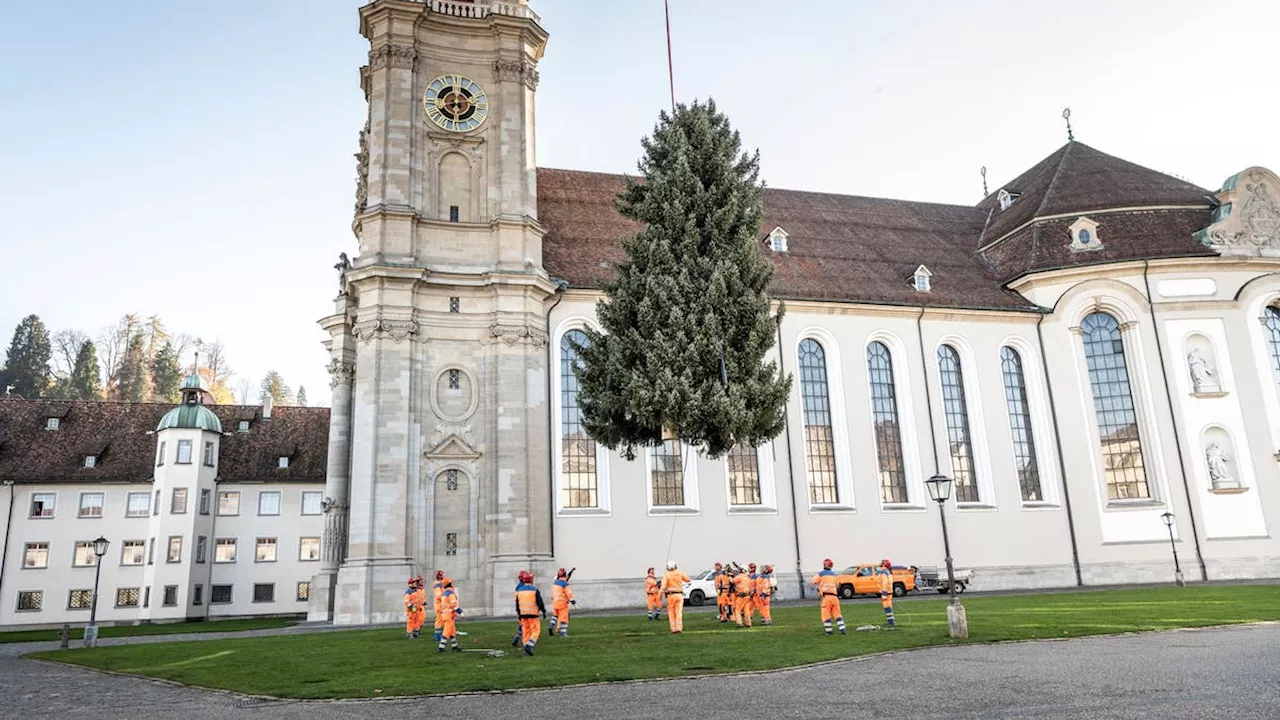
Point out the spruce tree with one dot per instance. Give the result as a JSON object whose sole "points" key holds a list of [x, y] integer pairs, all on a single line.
{"points": [[166, 374], [273, 386], [686, 318], [302, 396], [86, 376], [132, 383], [26, 367]]}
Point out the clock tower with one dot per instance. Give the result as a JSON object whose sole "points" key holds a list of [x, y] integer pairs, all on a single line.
{"points": [[438, 448]]}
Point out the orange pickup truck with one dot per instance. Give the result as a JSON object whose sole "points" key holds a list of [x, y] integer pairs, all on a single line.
{"points": [[861, 580]]}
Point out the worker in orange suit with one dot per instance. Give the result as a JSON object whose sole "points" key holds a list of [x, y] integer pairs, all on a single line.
{"points": [[673, 589], [826, 583], [437, 590], [884, 575], [743, 588], [449, 608], [409, 609], [764, 591], [420, 602], [529, 608], [652, 596], [724, 593], [561, 599]]}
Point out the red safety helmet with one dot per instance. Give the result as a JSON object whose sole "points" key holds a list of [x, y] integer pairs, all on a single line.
{"points": [[751, 566], [768, 569], [413, 580], [525, 576], [828, 563], [886, 563], [439, 575], [650, 571], [560, 572], [718, 566]]}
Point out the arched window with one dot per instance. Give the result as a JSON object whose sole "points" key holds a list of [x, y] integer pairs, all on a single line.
{"points": [[1113, 406], [957, 413], [577, 450], [1024, 443], [1271, 320], [819, 438], [884, 420]]}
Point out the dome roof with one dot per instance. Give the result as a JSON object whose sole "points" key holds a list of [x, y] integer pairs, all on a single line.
{"points": [[194, 382], [190, 416]]}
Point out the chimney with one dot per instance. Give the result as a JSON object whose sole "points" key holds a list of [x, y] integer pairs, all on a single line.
{"points": [[266, 408]]}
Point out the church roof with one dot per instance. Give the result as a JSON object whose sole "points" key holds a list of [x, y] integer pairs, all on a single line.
{"points": [[121, 434], [190, 416]]}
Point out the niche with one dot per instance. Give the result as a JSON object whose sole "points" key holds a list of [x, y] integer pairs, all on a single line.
{"points": [[1201, 366], [1221, 461]]}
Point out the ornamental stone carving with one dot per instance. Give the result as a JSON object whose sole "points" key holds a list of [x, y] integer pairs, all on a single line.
{"points": [[340, 373], [334, 549], [516, 71], [362, 170], [1216, 460], [515, 334], [1247, 221], [395, 56], [396, 330]]}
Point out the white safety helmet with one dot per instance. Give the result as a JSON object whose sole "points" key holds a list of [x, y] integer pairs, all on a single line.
{"points": [[671, 564]]}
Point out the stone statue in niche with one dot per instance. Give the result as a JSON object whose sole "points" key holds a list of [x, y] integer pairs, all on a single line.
{"points": [[1202, 376], [1216, 458], [344, 264]]}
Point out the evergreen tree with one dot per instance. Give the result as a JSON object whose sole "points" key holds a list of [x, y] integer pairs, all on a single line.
{"points": [[26, 366], [132, 382], [166, 374], [86, 376], [302, 396], [686, 318], [273, 386]]}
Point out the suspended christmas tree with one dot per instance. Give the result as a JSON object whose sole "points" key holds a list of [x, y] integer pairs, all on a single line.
{"points": [[687, 319]]}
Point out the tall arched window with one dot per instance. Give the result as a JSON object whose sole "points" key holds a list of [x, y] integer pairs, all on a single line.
{"points": [[1113, 406], [1024, 443], [819, 438], [884, 420], [956, 411], [1271, 320], [577, 450]]}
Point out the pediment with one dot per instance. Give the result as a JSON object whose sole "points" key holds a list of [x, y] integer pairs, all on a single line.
{"points": [[1247, 220], [452, 447]]}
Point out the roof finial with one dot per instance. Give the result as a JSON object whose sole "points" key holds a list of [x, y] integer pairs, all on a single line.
{"points": [[984, 181], [1066, 115]]}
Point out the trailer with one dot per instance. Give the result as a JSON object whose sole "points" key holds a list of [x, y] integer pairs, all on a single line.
{"points": [[936, 579]]}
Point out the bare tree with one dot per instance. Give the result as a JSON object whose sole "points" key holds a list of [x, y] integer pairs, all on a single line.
{"points": [[112, 344], [244, 391], [66, 346]]}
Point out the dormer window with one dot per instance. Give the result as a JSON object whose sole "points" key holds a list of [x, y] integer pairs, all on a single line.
{"points": [[90, 461], [920, 279], [283, 462], [52, 423], [1084, 235], [1007, 198], [244, 426], [778, 240]]}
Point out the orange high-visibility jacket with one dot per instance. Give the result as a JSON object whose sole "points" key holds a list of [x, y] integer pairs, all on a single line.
{"points": [[529, 601], [763, 586], [673, 581], [561, 593], [411, 603], [826, 582], [742, 584], [436, 591], [651, 585], [723, 583], [449, 602], [885, 576]]}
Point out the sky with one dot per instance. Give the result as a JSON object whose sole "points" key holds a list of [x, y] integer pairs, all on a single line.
{"points": [[193, 160]]}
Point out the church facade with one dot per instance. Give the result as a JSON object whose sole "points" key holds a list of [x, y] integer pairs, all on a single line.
{"points": [[1093, 346]]}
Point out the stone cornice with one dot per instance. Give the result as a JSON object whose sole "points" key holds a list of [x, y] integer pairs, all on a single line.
{"points": [[515, 335], [385, 328]]}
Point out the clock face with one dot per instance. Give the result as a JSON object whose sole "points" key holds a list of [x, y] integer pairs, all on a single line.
{"points": [[456, 103]]}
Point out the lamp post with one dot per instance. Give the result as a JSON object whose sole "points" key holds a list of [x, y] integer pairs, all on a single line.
{"points": [[940, 491], [1177, 569], [91, 632]]}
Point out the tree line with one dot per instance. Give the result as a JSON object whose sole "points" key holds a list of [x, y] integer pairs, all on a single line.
{"points": [[136, 359]]}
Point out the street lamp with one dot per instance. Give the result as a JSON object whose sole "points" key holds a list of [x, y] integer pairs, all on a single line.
{"points": [[940, 491], [91, 632], [1177, 569]]}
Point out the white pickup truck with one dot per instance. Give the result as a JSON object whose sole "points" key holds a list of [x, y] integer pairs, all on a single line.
{"points": [[702, 588]]}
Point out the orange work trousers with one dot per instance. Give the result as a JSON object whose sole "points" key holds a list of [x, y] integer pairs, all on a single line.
{"points": [[743, 609], [653, 602], [830, 607], [530, 629], [724, 603], [675, 611], [762, 602], [449, 628], [413, 620]]}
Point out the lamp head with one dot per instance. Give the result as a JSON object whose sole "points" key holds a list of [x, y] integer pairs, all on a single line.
{"points": [[100, 546], [939, 488], [1167, 518]]}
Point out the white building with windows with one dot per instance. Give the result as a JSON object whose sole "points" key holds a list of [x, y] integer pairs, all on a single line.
{"points": [[1093, 345], [210, 511]]}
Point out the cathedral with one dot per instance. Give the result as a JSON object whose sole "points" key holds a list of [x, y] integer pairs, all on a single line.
{"points": [[1091, 354]]}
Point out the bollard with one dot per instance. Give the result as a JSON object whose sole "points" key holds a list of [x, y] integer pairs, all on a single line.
{"points": [[64, 639]]}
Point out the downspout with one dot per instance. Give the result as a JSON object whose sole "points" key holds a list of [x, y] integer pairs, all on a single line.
{"points": [[928, 396], [791, 469], [1173, 419], [8, 525], [561, 286], [1062, 463]]}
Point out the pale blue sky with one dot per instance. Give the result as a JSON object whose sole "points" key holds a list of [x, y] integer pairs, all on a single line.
{"points": [[194, 159]]}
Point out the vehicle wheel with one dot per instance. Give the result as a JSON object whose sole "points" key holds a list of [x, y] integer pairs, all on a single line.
{"points": [[942, 591], [846, 592], [899, 589], [959, 587], [696, 597]]}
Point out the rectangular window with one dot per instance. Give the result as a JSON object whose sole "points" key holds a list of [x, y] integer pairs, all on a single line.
{"points": [[132, 552], [451, 543], [309, 548], [155, 508], [311, 502], [160, 454], [201, 548], [269, 502], [151, 551], [224, 550], [170, 595], [79, 599], [668, 474], [228, 503], [197, 595], [91, 461], [304, 591], [36, 555], [146, 596], [744, 475], [204, 502], [139, 505], [84, 556], [282, 462], [266, 551], [219, 594], [52, 423], [178, 504], [30, 600], [42, 504], [175, 549], [208, 454], [91, 505], [127, 597], [455, 304], [184, 452], [264, 592], [453, 213], [243, 426]]}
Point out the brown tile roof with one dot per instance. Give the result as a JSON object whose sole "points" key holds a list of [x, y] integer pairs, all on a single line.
{"points": [[119, 432], [839, 247]]}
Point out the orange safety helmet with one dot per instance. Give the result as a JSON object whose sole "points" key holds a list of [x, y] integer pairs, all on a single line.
{"points": [[886, 563], [525, 576], [828, 563], [439, 575]]}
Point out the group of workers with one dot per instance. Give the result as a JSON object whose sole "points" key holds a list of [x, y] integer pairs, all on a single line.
{"points": [[740, 594]]}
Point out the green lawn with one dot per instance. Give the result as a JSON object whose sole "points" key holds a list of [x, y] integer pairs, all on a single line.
{"points": [[382, 663], [77, 631]]}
